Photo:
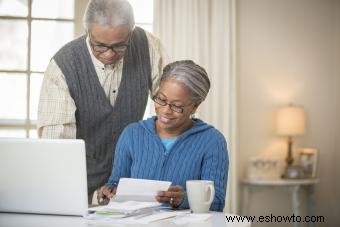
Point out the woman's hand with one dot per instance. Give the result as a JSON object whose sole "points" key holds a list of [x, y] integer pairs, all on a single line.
{"points": [[174, 196], [104, 194]]}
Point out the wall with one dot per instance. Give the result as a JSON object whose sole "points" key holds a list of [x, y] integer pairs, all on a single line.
{"points": [[337, 85], [79, 9], [288, 52]]}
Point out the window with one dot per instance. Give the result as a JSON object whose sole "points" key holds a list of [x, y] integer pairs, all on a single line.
{"points": [[33, 32], [143, 11], [33, 35]]}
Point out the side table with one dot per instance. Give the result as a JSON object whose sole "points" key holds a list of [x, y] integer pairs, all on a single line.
{"points": [[292, 185]]}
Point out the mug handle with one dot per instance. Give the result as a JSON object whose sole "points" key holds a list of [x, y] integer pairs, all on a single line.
{"points": [[212, 194]]}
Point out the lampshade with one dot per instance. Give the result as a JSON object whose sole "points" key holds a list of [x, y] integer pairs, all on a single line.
{"points": [[291, 121]]}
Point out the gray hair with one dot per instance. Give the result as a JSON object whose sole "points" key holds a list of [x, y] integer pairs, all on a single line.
{"points": [[191, 75], [108, 12]]}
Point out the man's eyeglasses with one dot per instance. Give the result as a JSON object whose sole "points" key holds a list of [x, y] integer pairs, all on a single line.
{"points": [[116, 48], [163, 102]]}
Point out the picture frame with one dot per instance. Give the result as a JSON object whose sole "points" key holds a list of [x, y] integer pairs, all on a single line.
{"points": [[308, 160], [294, 172]]}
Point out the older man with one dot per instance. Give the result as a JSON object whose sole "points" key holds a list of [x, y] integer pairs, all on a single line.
{"points": [[98, 83]]}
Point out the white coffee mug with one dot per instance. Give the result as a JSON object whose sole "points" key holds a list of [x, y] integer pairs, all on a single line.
{"points": [[200, 194]]}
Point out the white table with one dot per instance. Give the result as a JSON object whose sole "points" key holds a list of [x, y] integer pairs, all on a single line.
{"points": [[31, 220], [292, 185]]}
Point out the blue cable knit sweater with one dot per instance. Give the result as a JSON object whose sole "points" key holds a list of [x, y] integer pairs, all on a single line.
{"points": [[200, 153]]}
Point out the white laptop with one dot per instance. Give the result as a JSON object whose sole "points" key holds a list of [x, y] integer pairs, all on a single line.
{"points": [[43, 176]]}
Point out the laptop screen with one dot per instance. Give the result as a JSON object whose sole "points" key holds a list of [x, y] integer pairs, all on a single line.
{"points": [[43, 176]]}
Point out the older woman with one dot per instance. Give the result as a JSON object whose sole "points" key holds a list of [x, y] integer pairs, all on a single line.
{"points": [[174, 146]]}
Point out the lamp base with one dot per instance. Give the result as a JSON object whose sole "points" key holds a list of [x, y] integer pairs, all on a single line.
{"points": [[289, 159]]}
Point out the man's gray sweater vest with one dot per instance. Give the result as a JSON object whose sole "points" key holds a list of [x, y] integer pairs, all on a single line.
{"points": [[98, 123]]}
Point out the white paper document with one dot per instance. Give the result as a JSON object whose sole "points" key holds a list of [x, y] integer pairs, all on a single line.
{"points": [[130, 189], [152, 217], [134, 197], [146, 218]]}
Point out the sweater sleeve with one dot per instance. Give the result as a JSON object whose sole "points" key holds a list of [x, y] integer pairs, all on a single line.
{"points": [[215, 167], [122, 159]]}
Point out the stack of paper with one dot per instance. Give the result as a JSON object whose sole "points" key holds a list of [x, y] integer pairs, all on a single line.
{"points": [[123, 209], [134, 197], [156, 215]]}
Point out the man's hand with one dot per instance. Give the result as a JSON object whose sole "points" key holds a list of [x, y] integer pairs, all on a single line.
{"points": [[104, 194]]}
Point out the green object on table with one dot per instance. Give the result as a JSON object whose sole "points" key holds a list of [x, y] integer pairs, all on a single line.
{"points": [[106, 212]]}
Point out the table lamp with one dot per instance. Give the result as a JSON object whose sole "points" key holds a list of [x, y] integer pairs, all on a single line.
{"points": [[290, 122]]}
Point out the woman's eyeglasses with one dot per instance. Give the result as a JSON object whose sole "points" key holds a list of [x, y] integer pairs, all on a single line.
{"points": [[163, 102]]}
